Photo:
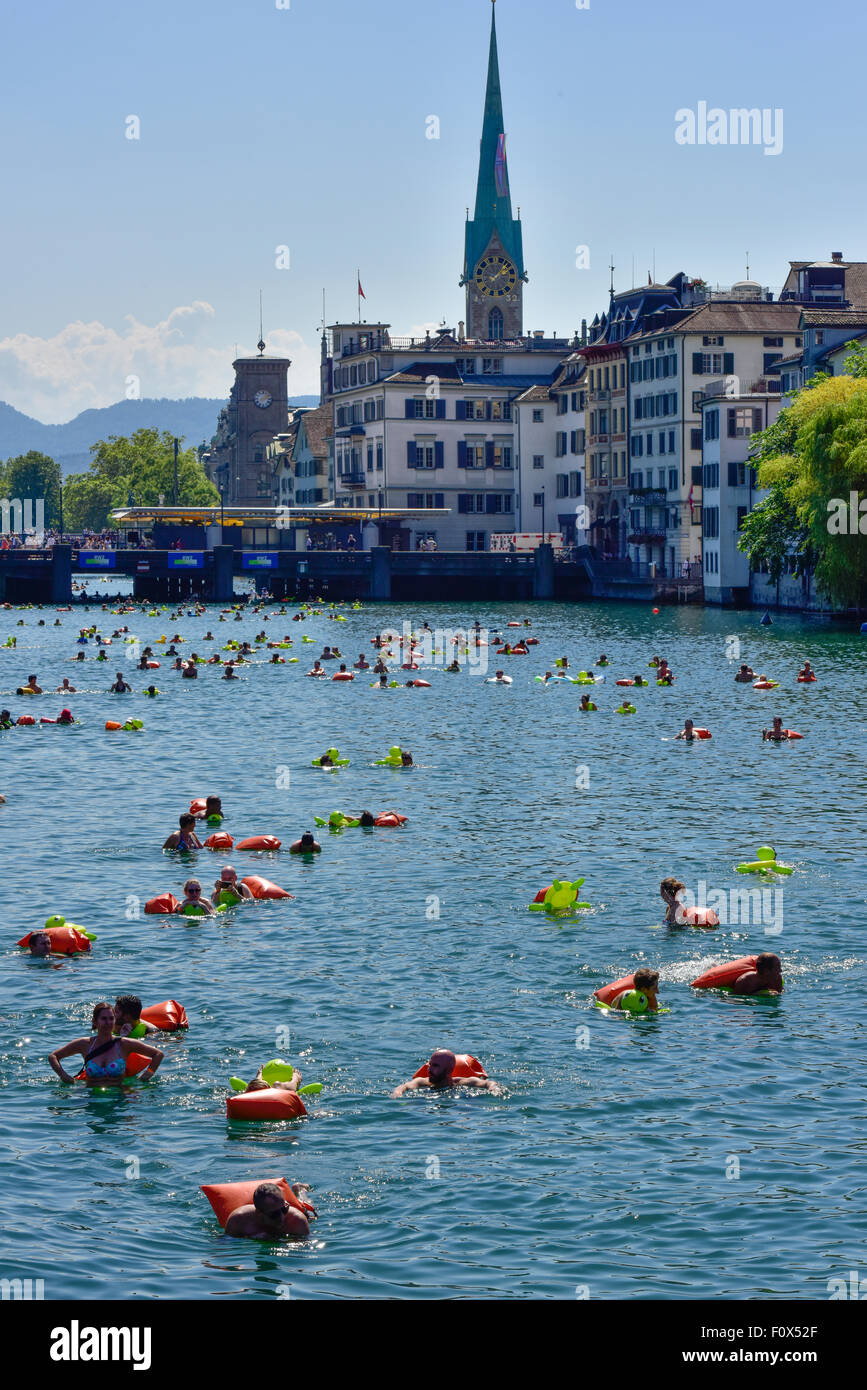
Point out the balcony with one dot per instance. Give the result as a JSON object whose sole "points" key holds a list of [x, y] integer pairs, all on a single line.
{"points": [[647, 497], [354, 480], [646, 538]]}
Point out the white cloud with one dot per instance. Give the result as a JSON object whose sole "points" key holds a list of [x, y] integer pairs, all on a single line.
{"points": [[86, 365]]}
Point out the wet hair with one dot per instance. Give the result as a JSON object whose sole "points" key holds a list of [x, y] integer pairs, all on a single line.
{"points": [[366, 818], [266, 1189], [39, 936], [97, 1010], [646, 979], [213, 801], [128, 1004], [406, 759], [187, 818], [671, 885], [307, 838], [767, 962]]}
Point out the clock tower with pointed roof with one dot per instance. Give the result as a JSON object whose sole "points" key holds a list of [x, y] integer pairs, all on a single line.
{"points": [[494, 274]]}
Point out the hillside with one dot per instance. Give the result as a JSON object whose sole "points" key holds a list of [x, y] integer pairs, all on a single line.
{"points": [[192, 420]]}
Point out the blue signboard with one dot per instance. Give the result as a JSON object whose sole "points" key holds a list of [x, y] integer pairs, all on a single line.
{"points": [[97, 559], [186, 560], [261, 560]]}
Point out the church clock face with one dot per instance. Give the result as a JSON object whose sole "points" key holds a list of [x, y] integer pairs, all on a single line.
{"points": [[262, 399], [495, 277]]}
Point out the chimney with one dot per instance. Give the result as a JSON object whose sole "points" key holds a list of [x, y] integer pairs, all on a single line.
{"points": [[461, 333], [836, 255]]}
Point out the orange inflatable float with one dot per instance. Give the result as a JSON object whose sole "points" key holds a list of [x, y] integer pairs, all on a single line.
{"points": [[168, 1016], [765, 685], [343, 676], [113, 724], [221, 839], [65, 941], [262, 888], [390, 818], [698, 916], [153, 666], [722, 975], [702, 733], [197, 807], [273, 1104], [465, 1065], [805, 680], [163, 904], [28, 719], [259, 842], [608, 993], [226, 1197]]}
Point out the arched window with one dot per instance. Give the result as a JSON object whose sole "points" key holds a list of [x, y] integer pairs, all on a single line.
{"points": [[495, 326]]}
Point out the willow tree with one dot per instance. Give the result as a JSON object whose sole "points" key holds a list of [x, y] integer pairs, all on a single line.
{"points": [[813, 461]]}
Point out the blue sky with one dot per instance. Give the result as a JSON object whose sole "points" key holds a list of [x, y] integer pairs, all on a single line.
{"points": [[305, 127]]}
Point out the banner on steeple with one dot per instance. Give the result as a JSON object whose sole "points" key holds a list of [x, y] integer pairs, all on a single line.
{"points": [[500, 175]]}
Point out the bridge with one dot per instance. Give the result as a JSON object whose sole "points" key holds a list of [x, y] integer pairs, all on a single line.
{"points": [[165, 576]]}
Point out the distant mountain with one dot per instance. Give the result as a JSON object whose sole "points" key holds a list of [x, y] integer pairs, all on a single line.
{"points": [[192, 420]]}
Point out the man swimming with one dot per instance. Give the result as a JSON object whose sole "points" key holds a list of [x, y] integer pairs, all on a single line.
{"points": [[767, 976], [228, 889], [440, 1077], [269, 1216], [120, 686]]}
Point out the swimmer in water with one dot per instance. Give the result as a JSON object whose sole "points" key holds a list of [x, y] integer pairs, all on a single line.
{"points": [[746, 673], [65, 688], [39, 944], [269, 1216], [193, 895], [32, 687], [260, 1084], [406, 759], [6, 720], [213, 807], [454, 667], [439, 1078], [668, 891], [646, 982], [128, 1021], [189, 671], [151, 690], [362, 664], [229, 884], [105, 1056], [184, 838], [688, 732], [318, 669], [308, 844], [327, 654], [120, 686], [586, 703], [766, 976], [806, 672], [229, 673], [776, 734]]}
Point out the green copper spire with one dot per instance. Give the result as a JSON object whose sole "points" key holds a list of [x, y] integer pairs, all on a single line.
{"points": [[493, 210]]}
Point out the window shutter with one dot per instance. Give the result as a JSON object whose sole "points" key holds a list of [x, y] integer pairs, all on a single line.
{"points": [[439, 499], [409, 407], [463, 501], [410, 454], [488, 410], [441, 409], [439, 453], [757, 420], [490, 502], [728, 363], [696, 363], [462, 451], [733, 473], [489, 453], [460, 410], [732, 424]]}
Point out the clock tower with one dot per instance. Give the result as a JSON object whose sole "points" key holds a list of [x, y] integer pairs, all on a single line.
{"points": [[494, 273], [259, 407]]}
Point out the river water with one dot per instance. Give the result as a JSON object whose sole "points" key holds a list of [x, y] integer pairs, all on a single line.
{"points": [[714, 1151]]}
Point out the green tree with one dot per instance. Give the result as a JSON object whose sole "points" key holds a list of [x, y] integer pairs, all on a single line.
{"points": [[36, 477], [138, 468], [812, 460]]}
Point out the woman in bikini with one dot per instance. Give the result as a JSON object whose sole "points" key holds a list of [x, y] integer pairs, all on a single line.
{"points": [[105, 1055]]}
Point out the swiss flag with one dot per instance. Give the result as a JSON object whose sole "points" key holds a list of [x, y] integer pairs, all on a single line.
{"points": [[361, 291]]}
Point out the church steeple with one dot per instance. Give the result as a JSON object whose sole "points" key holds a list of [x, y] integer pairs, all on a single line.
{"points": [[493, 231]]}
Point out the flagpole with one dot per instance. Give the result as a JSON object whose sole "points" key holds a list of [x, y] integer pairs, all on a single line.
{"points": [[358, 291]]}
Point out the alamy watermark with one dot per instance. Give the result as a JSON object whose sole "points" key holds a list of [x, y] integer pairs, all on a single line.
{"points": [[21, 516], [739, 126], [847, 518], [757, 907], [427, 648]]}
